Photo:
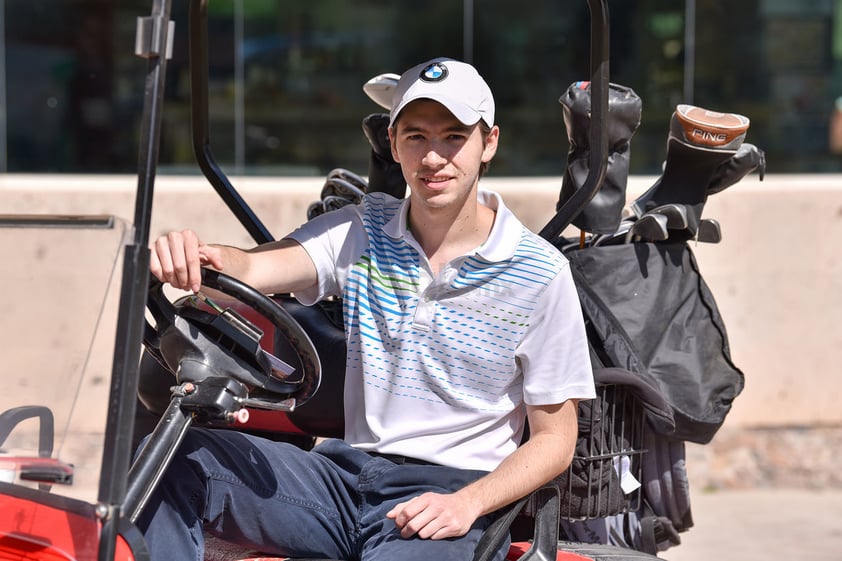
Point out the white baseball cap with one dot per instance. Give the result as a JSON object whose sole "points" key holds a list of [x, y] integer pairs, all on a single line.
{"points": [[456, 85]]}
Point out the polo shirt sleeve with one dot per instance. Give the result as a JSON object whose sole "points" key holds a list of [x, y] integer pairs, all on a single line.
{"points": [[334, 241], [553, 354]]}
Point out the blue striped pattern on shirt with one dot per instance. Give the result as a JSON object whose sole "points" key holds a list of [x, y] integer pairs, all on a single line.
{"points": [[454, 343]]}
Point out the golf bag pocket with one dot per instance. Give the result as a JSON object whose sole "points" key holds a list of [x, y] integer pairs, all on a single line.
{"points": [[604, 477], [648, 310]]}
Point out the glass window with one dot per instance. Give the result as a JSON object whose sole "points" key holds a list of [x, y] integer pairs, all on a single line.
{"points": [[286, 77]]}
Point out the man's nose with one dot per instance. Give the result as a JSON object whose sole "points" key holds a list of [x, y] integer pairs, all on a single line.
{"points": [[434, 156]]}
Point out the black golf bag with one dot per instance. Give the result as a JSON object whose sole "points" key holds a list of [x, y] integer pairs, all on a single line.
{"points": [[654, 330], [653, 323]]}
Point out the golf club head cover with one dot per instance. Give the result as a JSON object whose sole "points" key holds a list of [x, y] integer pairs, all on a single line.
{"points": [[747, 159], [699, 143], [384, 174], [602, 215]]}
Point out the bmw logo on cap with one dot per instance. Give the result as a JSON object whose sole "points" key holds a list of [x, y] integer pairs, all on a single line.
{"points": [[435, 72]]}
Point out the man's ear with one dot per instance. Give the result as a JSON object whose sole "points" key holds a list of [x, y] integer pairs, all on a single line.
{"points": [[491, 141], [393, 145]]}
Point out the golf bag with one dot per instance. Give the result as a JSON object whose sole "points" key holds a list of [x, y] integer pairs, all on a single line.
{"points": [[650, 314], [652, 321]]}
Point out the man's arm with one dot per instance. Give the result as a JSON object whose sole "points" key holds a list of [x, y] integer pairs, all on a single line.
{"points": [[275, 267], [547, 453]]}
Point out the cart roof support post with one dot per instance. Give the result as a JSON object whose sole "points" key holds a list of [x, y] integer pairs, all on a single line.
{"points": [[198, 31], [598, 157], [154, 43]]}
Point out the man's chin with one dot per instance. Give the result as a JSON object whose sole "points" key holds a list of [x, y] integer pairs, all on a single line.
{"points": [[435, 199]]}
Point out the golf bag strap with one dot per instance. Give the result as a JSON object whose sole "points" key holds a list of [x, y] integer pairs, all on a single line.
{"points": [[647, 534], [656, 532]]}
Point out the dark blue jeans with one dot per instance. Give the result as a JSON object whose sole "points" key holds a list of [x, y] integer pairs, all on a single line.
{"points": [[275, 498]]}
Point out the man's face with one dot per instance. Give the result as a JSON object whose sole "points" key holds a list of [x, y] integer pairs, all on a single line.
{"points": [[440, 157]]}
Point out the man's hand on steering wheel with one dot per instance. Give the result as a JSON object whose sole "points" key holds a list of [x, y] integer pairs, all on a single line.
{"points": [[177, 259]]}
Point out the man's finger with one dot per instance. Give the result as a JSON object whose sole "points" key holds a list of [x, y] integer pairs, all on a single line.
{"points": [[155, 266], [164, 259], [422, 524], [178, 255]]}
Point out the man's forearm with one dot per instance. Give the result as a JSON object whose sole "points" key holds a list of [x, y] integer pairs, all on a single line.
{"points": [[546, 454], [533, 464]]}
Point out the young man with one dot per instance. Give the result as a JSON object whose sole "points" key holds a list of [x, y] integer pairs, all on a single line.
{"points": [[461, 326]]}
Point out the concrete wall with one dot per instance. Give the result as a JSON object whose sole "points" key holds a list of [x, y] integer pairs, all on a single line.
{"points": [[777, 275]]}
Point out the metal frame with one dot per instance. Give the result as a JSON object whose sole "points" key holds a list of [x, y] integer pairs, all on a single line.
{"points": [[154, 43]]}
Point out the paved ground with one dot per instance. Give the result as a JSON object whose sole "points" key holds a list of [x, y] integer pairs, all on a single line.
{"points": [[763, 525]]}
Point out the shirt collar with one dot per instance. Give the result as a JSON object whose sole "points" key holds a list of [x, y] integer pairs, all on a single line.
{"points": [[501, 242]]}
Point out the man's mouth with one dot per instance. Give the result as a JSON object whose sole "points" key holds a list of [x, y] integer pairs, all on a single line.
{"points": [[435, 181]]}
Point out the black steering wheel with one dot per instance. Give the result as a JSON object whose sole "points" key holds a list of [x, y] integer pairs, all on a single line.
{"points": [[197, 342]]}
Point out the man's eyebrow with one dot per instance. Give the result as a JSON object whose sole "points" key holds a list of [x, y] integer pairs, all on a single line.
{"points": [[412, 128]]}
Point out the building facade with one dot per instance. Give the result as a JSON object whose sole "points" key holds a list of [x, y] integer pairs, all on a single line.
{"points": [[286, 77]]}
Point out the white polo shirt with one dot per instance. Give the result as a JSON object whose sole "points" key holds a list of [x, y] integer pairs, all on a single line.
{"points": [[440, 368]]}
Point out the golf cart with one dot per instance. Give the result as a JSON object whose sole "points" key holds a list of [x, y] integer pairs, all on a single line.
{"points": [[269, 365]]}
